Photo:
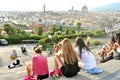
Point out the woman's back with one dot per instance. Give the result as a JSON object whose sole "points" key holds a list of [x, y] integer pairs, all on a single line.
{"points": [[40, 65], [87, 58]]}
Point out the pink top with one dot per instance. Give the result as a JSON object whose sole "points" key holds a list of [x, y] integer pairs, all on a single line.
{"points": [[40, 65]]}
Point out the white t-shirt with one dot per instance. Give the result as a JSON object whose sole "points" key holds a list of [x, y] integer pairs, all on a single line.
{"points": [[87, 58]]}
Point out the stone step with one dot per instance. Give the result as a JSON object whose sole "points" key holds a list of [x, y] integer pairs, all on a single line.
{"points": [[111, 72]]}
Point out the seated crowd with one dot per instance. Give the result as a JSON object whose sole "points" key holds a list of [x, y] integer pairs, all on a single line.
{"points": [[68, 59]]}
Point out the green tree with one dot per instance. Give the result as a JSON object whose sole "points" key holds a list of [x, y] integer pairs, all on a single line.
{"points": [[53, 29], [61, 28], [39, 31], [12, 31], [78, 26], [67, 31], [7, 28], [1, 30], [18, 30], [72, 31]]}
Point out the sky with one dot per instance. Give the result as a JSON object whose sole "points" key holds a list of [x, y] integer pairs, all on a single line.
{"points": [[51, 5]]}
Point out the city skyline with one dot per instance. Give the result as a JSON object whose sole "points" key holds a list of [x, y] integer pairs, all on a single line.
{"points": [[51, 5]]}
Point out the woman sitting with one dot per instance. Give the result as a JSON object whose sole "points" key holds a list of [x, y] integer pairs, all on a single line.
{"points": [[106, 53], [67, 60], [39, 66], [86, 57], [14, 60]]}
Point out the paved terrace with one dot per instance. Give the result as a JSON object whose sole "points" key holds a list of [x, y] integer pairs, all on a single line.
{"points": [[111, 68]]}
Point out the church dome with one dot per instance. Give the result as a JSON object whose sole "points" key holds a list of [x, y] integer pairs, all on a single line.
{"points": [[84, 8]]}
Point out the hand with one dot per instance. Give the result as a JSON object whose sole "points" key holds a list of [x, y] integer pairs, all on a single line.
{"points": [[80, 64], [56, 49], [58, 53]]}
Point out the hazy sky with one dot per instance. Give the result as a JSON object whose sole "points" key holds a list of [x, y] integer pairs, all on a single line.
{"points": [[37, 5]]}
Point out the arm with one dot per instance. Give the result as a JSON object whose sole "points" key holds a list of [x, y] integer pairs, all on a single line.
{"points": [[80, 64], [32, 67], [115, 46], [57, 51], [111, 46]]}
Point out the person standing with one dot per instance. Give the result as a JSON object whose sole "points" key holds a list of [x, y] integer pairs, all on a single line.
{"points": [[88, 41]]}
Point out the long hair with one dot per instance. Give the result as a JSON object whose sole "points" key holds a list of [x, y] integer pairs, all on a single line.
{"points": [[81, 44], [68, 53], [118, 38]]}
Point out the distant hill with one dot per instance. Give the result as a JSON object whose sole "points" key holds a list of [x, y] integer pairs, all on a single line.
{"points": [[109, 7]]}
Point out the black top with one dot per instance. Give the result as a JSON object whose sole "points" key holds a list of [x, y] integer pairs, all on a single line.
{"points": [[70, 70]]}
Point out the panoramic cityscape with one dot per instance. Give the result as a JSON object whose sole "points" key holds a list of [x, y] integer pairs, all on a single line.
{"points": [[94, 19], [26, 26]]}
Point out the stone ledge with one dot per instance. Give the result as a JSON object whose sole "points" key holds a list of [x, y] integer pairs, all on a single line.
{"points": [[111, 72]]}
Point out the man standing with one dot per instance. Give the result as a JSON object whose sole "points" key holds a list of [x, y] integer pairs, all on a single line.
{"points": [[88, 40]]}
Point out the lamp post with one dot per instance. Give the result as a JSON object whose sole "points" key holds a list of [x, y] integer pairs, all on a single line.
{"points": [[49, 36], [50, 51]]}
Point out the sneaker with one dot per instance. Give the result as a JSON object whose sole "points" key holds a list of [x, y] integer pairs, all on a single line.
{"points": [[56, 77], [94, 71], [52, 73], [111, 57], [102, 61]]}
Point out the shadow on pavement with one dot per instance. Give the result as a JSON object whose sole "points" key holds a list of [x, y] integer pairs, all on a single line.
{"points": [[1, 63], [112, 76]]}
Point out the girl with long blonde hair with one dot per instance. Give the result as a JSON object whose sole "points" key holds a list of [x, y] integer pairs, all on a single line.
{"points": [[70, 63]]}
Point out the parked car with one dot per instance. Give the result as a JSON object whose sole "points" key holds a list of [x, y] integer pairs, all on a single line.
{"points": [[3, 42]]}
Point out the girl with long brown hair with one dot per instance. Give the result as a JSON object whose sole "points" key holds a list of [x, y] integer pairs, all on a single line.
{"points": [[86, 57]]}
